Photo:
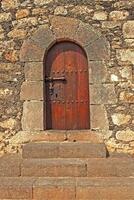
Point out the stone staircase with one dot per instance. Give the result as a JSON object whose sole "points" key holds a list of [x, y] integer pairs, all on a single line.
{"points": [[72, 169]]}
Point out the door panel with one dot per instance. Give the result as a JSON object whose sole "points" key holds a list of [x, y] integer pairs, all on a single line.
{"points": [[66, 87]]}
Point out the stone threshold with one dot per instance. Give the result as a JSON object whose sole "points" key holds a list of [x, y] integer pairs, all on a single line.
{"points": [[23, 137]]}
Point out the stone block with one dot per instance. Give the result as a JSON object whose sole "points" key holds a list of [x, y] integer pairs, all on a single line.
{"points": [[34, 71], [125, 55], [42, 2], [100, 15], [111, 24], [122, 5], [125, 135], [82, 10], [5, 17], [16, 188], [98, 72], [54, 189], [8, 5], [10, 165], [39, 11], [128, 29], [30, 51], [127, 97], [129, 43], [65, 28], [12, 56], [82, 150], [60, 10], [120, 74], [111, 167], [9, 124], [32, 90], [40, 150], [103, 191], [120, 119], [17, 34], [52, 136], [22, 13], [99, 119], [118, 15], [25, 22], [64, 150], [98, 50], [86, 34], [43, 37], [53, 168], [32, 118], [102, 94]]}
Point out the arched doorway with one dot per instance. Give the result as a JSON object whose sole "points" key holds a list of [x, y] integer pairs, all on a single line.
{"points": [[66, 87], [97, 49]]}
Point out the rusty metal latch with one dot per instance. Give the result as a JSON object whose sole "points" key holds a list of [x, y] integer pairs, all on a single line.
{"points": [[51, 79]]}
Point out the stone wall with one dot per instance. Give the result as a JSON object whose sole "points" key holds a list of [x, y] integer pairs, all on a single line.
{"points": [[19, 19]]}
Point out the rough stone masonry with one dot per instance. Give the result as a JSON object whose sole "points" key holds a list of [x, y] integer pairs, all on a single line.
{"points": [[19, 19]]}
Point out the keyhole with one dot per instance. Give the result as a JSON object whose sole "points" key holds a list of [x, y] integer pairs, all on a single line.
{"points": [[56, 95]]}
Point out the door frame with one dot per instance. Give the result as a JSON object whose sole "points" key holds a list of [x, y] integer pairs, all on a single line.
{"points": [[33, 53]]}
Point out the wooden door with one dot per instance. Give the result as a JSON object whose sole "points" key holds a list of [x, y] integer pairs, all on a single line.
{"points": [[67, 87]]}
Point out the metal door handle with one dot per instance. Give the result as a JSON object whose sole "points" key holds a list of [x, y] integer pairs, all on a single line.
{"points": [[50, 79]]}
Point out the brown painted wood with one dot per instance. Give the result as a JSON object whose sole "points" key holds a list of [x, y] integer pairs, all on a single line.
{"points": [[67, 101]]}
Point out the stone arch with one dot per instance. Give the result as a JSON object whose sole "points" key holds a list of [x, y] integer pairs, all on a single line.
{"points": [[32, 54]]}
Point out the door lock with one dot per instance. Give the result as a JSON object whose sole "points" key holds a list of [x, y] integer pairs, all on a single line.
{"points": [[51, 79], [51, 88]]}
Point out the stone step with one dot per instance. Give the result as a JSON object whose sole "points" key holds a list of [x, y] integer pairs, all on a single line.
{"points": [[67, 188], [100, 167], [64, 150], [54, 168]]}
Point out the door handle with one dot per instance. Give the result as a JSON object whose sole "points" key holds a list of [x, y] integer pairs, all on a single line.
{"points": [[51, 79]]}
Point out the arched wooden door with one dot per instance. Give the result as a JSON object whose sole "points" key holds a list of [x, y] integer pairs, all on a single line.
{"points": [[67, 87]]}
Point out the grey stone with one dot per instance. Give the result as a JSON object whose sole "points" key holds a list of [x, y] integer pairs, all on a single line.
{"points": [[33, 71], [32, 118], [103, 94], [86, 34], [98, 50], [43, 37], [98, 72], [32, 90], [99, 119], [30, 51]]}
